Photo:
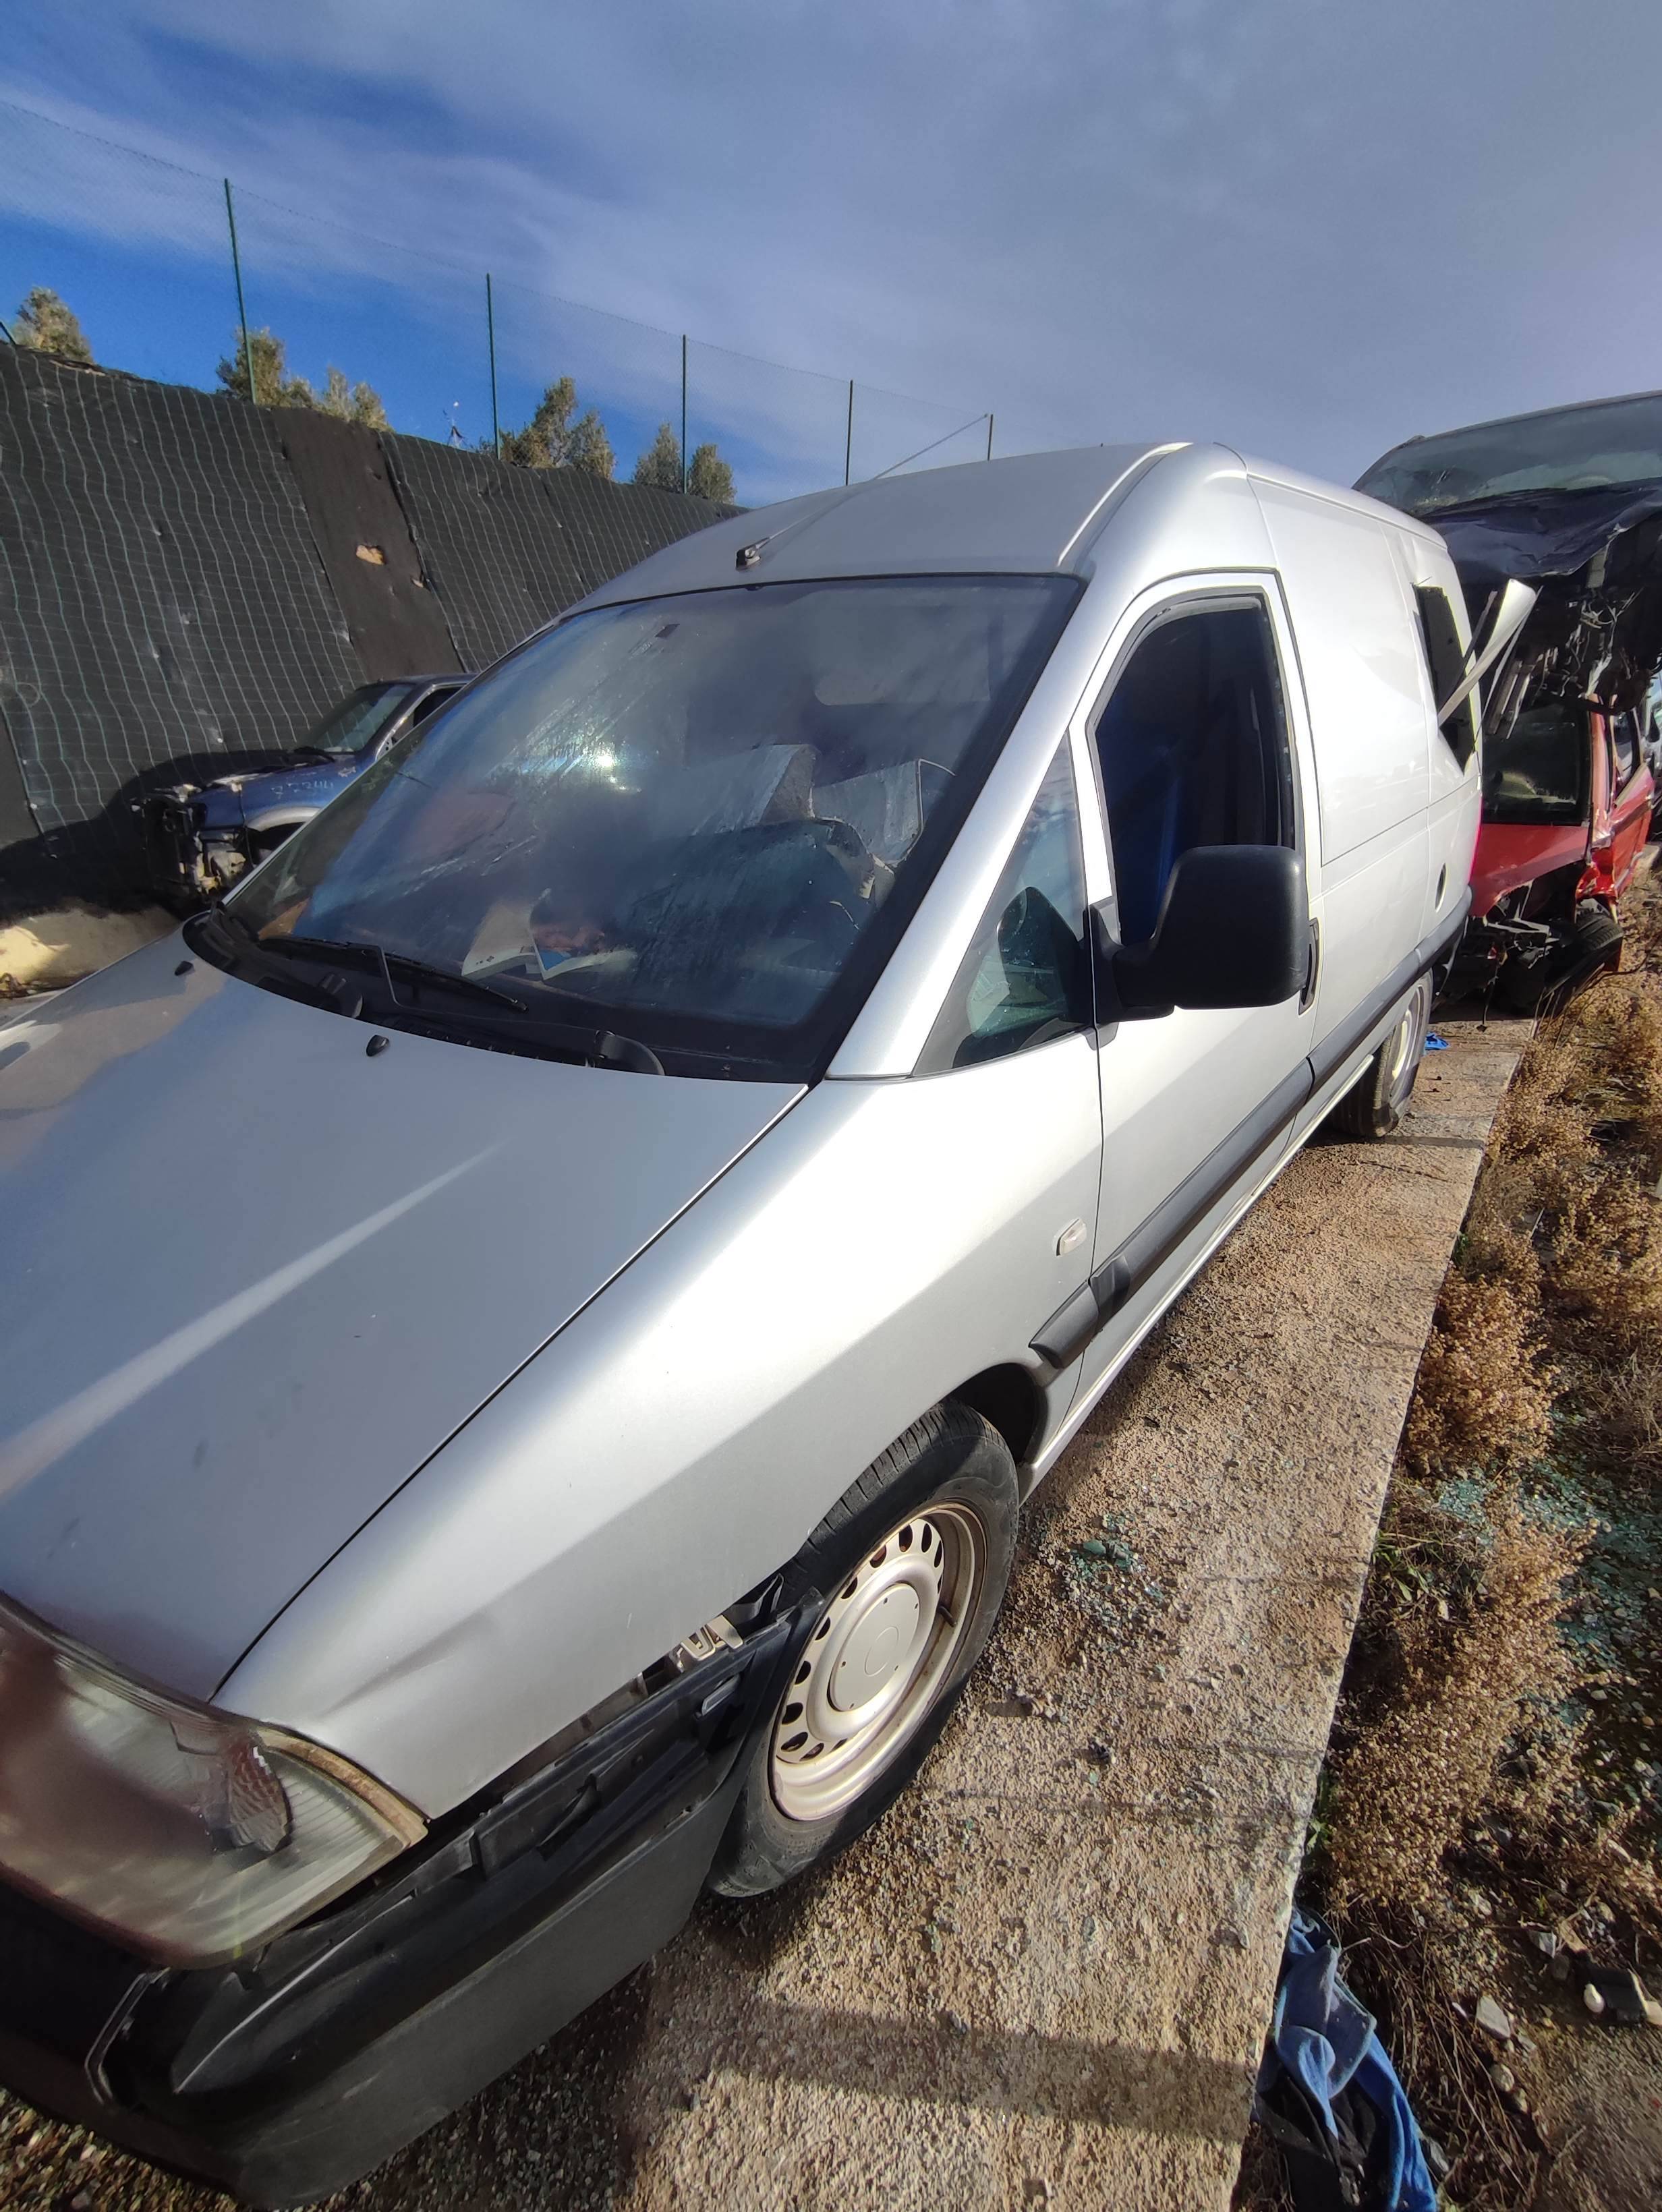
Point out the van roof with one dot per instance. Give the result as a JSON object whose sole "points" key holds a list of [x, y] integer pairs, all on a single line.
{"points": [[1031, 513]]}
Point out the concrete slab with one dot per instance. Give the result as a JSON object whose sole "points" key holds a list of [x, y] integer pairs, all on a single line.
{"points": [[1045, 1978]]}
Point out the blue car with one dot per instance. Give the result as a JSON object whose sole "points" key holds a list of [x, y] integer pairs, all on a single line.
{"points": [[199, 838]]}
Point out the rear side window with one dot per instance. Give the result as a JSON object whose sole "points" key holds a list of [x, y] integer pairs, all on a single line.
{"points": [[1536, 773], [1025, 979], [1447, 665], [1191, 743]]}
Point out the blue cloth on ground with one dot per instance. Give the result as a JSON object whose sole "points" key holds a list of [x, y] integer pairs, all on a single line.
{"points": [[1327, 2042], [1434, 1044]]}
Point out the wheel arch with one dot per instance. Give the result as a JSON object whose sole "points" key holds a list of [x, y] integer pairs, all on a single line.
{"points": [[1008, 1397]]}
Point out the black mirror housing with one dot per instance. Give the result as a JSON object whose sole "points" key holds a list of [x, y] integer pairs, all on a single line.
{"points": [[1233, 931]]}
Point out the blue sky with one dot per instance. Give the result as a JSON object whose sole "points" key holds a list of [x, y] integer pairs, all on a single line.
{"points": [[1308, 229]]}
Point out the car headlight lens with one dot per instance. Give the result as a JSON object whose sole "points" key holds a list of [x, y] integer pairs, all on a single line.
{"points": [[187, 1834]]}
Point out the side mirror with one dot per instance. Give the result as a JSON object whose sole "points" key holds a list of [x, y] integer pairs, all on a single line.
{"points": [[1233, 931]]}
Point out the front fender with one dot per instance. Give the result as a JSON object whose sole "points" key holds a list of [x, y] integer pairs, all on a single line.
{"points": [[261, 822], [683, 1434]]}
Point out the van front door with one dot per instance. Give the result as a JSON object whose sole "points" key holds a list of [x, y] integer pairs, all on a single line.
{"points": [[1193, 742]]}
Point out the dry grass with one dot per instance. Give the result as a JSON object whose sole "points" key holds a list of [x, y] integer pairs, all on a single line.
{"points": [[1606, 1276], [1621, 1411], [1483, 1395], [1472, 1785], [1469, 1727]]}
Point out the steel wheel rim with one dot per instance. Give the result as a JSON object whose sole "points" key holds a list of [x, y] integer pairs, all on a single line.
{"points": [[1406, 1041], [871, 1670]]}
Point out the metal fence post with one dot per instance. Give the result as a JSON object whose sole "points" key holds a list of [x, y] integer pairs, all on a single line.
{"points": [[242, 305], [848, 450], [684, 410], [989, 437], [490, 335]]}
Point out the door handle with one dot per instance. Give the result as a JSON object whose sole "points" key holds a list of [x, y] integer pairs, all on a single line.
{"points": [[1312, 968]]}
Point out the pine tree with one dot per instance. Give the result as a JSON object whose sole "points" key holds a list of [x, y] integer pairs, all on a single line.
{"points": [[590, 449], [710, 477], [45, 325], [352, 403], [659, 466], [550, 440], [273, 386]]}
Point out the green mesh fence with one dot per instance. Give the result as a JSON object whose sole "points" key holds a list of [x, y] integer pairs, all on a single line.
{"points": [[347, 311]]}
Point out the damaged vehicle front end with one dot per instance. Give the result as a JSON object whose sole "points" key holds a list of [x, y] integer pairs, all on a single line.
{"points": [[1569, 501], [200, 837]]}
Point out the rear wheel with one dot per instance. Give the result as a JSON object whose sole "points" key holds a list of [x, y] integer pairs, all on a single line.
{"points": [[1375, 1103], [911, 1566]]}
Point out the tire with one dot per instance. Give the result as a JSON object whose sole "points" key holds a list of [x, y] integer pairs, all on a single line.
{"points": [[938, 1508], [1590, 946], [1375, 1103]]}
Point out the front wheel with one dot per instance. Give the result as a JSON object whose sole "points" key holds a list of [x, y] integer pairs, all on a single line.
{"points": [[910, 1568], [1375, 1103], [1590, 946]]}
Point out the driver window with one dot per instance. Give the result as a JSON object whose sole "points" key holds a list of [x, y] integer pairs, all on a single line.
{"points": [[1025, 978], [1192, 747], [429, 705]]}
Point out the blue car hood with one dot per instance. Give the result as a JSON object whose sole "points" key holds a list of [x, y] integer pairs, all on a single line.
{"points": [[253, 1279]]}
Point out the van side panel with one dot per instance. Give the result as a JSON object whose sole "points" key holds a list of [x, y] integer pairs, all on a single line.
{"points": [[1455, 788], [1360, 664]]}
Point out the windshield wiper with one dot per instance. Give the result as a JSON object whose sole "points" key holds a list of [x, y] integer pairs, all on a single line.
{"points": [[422, 970], [612, 1050], [243, 948], [594, 1044]]}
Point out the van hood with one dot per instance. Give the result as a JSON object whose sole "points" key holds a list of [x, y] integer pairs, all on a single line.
{"points": [[254, 1278]]}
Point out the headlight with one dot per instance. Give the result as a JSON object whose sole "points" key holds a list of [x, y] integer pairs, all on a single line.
{"points": [[185, 1833]]}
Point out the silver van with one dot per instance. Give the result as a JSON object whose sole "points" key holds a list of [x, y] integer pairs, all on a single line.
{"points": [[527, 1329]]}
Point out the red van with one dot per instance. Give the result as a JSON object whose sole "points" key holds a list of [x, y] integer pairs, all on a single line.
{"points": [[1570, 501]]}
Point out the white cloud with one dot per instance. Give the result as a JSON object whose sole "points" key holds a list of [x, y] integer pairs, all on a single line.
{"points": [[1306, 229]]}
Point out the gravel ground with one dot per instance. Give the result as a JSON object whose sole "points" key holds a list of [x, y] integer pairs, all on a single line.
{"points": [[1043, 1979]]}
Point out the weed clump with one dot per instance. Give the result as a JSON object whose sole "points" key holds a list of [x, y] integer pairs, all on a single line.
{"points": [[1483, 1395], [1607, 1272], [1468, 1722]]}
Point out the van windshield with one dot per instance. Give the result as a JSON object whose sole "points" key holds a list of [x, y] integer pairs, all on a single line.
{"points": [[701, 819], [359, 720]]}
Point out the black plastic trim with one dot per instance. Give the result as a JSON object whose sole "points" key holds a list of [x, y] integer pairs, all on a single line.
{"points": [[1069, 1328], [1065, 1335], [287, 2075]]}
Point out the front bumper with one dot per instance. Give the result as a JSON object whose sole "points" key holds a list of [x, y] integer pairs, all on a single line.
{"points": [[290, 2075], [187, 857]]}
